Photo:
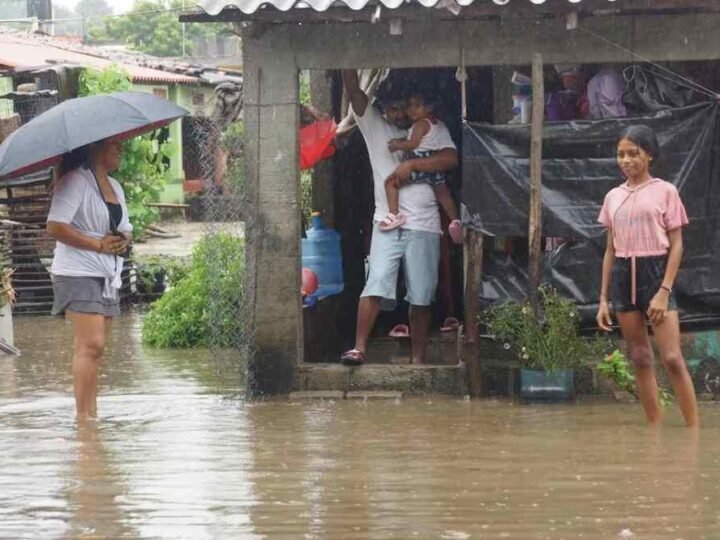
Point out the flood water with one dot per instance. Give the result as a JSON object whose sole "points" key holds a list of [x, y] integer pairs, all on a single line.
{"points": [[176, 454]]}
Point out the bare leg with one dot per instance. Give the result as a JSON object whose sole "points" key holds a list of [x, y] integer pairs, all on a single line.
{"points": [[368, 310], [634, 330], [393, 195], [667, 334], [419, 329], [89, 330], [443, 196]]}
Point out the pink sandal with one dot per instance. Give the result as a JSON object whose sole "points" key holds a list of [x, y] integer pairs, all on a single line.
{"points": [[392, 221], [400, 331], [451, 324], [456, 229], [353, 357]]}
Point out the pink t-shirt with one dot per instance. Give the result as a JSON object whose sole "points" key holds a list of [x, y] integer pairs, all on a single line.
{"points": [[640, 218]]}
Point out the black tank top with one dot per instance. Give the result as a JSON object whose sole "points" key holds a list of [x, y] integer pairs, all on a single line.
{"points": [[116, 214]]}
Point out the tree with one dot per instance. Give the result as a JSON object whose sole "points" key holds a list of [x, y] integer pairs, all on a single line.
{"points": [[66, 28], [151, 28]]}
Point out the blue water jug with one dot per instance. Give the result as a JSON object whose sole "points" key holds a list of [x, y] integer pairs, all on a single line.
{"points": [[321, 254]]}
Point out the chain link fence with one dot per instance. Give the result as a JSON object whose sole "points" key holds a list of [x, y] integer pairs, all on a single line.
{"points": [[216, 151]]}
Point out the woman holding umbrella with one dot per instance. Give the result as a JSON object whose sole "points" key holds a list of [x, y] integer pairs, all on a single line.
{"points": [[89, 219], [88, 216]]}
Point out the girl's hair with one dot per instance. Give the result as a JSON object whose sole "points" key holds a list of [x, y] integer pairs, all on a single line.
{"points": [[644, 137], [425, 98], [73, 160]]}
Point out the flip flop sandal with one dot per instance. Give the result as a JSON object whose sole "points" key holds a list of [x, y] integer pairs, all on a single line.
{"points": [[450, 325], [400, 331], [353, 357]]}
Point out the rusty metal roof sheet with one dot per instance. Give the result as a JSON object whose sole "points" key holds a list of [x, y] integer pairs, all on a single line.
{"points": [[214, 7], [18, 51]]}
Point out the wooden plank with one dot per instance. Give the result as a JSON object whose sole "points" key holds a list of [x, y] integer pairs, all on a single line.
{"points": [[473, 287], [535, 219]]}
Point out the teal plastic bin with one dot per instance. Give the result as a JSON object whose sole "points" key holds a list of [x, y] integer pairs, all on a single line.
{"points": [[547, 386]]}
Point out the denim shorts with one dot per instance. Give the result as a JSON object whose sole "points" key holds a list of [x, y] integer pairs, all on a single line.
{"points": [[650, 275], [420, 253]]}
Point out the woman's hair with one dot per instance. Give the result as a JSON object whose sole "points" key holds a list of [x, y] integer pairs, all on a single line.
{"points": [[644, 137], [73, 160]]}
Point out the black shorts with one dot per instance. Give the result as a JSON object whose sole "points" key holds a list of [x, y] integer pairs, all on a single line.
{"points": [[650, 275]]}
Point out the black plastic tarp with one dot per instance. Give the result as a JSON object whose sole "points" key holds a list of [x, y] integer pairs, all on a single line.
{"points": [[578, 169]]}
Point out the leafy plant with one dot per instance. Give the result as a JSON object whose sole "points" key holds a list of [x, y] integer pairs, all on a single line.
{"points": [[548, 341], [203, 308], [232, 143], [7, 291], [306, 195], [143, 171], [150, 267], [304, 92], [616, 368]]}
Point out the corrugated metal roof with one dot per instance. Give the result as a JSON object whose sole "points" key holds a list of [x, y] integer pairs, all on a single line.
{"points": [[19, 51], [213, 7]]}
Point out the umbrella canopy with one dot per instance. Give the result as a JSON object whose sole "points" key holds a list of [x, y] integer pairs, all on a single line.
{"points": [[81, 121]]}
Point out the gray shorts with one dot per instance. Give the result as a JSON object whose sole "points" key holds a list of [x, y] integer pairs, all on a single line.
{"points": [[83, 295], [420, 253]]}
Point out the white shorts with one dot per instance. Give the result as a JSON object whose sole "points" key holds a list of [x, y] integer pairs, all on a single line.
{"points": [[420, 253]]}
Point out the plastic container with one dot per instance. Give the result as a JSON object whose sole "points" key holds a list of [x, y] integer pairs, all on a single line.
{"points": [[548, 386], [321, 254]]}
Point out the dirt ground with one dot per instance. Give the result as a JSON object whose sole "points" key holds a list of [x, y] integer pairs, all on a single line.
{"points": [[190, 233]]}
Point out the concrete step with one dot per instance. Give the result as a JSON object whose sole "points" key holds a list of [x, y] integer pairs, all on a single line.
{"points": [[384, 378], [442, 350]]}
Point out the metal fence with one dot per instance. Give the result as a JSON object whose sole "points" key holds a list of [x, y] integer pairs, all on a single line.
{"points": [[217, 155]]}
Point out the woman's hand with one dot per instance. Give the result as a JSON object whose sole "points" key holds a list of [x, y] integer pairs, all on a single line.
{"points": [[603, 319], [659, 306], [112, 245]]}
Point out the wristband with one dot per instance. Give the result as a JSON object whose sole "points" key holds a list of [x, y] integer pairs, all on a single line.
{"points": [[668, 289]]}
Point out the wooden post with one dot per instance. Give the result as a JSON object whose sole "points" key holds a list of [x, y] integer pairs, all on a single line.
{"points": [[535, 214], [473, 287]]}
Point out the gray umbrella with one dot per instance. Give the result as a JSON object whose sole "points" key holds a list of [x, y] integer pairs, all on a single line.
{"points": [[80, 121]]}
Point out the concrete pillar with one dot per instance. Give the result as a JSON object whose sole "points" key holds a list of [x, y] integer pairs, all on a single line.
{"points": [[271, 109], [323, 195]]}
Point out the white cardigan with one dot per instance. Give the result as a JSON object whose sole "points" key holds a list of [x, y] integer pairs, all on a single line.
{"points": [[77, 201]]}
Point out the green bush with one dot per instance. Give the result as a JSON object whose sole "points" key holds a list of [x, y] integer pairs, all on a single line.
{"points": [[549, 340], [203, 308]]}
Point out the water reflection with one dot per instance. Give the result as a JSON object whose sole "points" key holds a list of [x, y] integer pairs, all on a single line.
{"points": [[173, 456], [97, 490]]}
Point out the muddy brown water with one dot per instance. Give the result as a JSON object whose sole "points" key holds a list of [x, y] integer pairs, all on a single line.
{"points": [[175, 454]]}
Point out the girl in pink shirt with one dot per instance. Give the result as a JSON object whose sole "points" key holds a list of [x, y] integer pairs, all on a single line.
{"points": [[644, 217]]}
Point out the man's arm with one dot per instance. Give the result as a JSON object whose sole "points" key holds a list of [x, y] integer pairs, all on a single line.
{"points": [[358, 99], [442, 160]]}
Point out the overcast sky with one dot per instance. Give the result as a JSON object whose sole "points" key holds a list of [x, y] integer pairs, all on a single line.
{"points": [[119, 6]]}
